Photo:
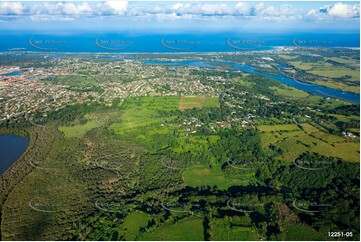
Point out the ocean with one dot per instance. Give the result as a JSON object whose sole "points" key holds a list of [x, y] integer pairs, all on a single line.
{"points": [[164, 43]]}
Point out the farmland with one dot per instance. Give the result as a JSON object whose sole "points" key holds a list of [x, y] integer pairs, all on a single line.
{"points": [[241, 229], [79, 130], [189, 102], [205, 176], [338, 73], [293, 141], [186, 229]]}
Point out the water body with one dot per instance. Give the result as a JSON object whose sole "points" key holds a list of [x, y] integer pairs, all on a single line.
{"points": [[11, 149], [14, 73], [170, 43], [307, 87]]}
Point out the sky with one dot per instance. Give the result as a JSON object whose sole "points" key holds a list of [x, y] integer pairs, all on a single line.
{"points": [[179, 16]]}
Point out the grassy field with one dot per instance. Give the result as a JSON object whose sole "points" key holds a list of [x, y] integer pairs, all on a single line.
{"points": [[201, 175], [141, 112], [194, 144], [238, 232], [282, 127], [79, 130], [342, 60], [345, 118], [299, 232], [244, 83], [189, 102], [339, 85], [294, 141], [143, 120], [326, 69], [290, 92], [302, 65], [133, 222], [140, 120], [211, 102], [288, 57], [190, 228]]}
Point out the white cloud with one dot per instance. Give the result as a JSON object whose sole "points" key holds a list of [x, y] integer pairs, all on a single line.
{"points": [[261, 9], [119, 7], [243, 9], [177, 6], [64, 8], [201, 9], [268, 11], [181, 10], [240, 9], [340, 10], [11, 8], [72, 9], [287, 10], [216, 9], [335, 11]]}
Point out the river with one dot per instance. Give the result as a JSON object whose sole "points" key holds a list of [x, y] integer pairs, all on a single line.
{"points": [[307, 87]]}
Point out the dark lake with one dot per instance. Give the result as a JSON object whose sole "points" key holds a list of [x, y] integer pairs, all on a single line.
{"points": [[14, 73], [11, 148]]}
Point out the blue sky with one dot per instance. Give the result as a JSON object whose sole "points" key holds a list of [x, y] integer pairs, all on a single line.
{"points": [[179, 16]]}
